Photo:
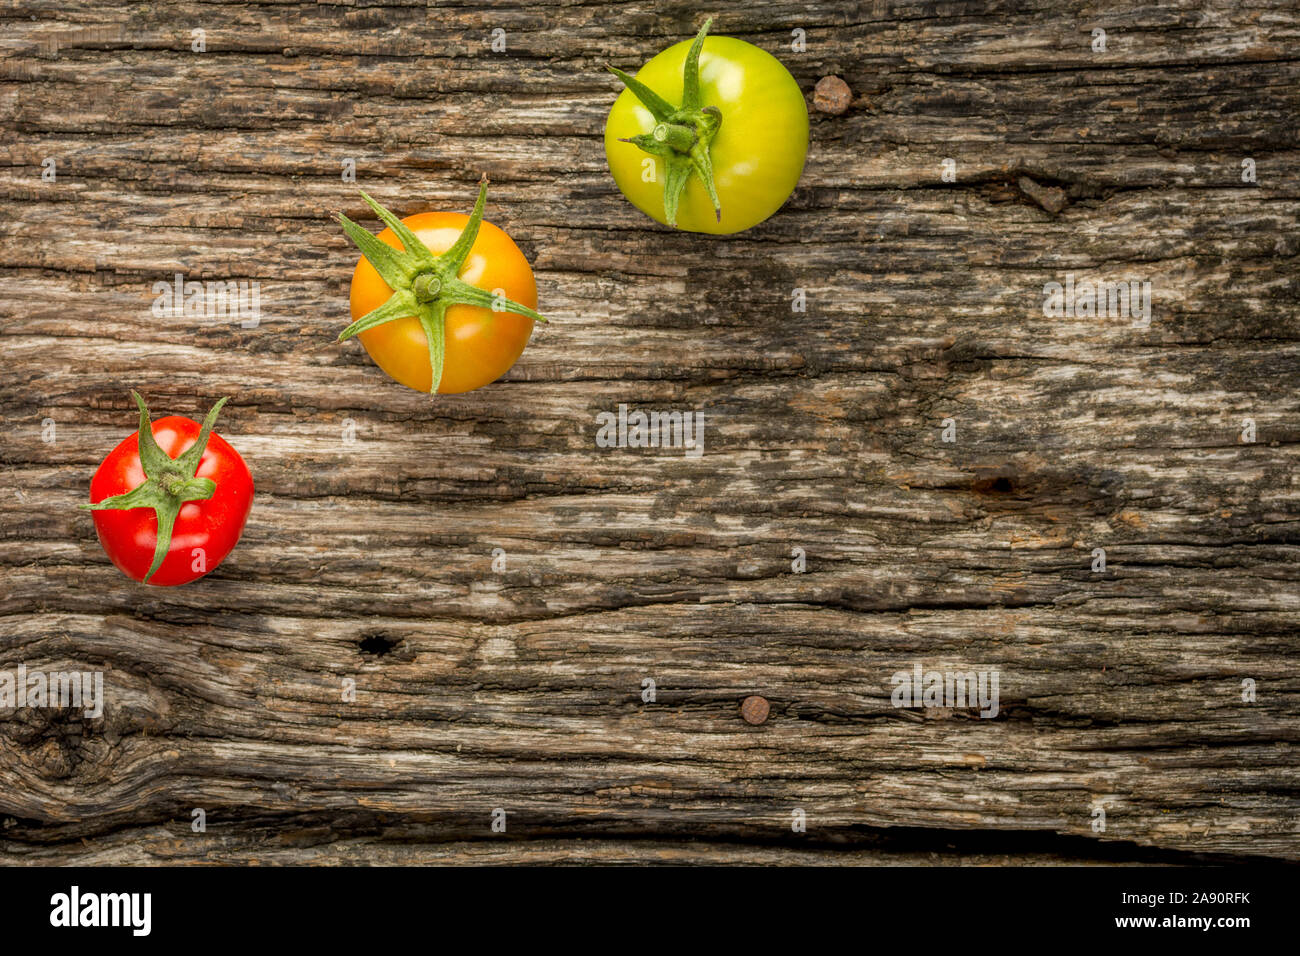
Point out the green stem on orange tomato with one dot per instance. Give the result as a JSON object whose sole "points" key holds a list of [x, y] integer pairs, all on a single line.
{"points": [[169, 482], [424, 285], [683, 135]]}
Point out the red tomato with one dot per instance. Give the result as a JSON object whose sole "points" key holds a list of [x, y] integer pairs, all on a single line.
{"points": [[208, 500]]}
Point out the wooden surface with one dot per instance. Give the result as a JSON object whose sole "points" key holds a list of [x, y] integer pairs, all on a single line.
{"points": [[522, 689]]}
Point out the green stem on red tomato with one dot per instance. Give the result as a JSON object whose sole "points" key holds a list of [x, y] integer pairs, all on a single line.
{"points": [[424, 285], [683, 135], [169, 482]]}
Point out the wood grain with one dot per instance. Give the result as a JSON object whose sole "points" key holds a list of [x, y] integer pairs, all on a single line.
{"points": [[368, 555]]}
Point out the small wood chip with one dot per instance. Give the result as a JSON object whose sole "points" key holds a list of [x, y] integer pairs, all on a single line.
{"points": [[754, 710], [1050, 198], [832, 95]]}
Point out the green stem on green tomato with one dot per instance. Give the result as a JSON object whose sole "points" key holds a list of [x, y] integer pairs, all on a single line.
{"points": [[169, 482], [424, 285], [675, 136], [683, 135]]}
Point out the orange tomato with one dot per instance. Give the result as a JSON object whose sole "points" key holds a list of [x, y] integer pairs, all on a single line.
{"points": [[481, 344]]}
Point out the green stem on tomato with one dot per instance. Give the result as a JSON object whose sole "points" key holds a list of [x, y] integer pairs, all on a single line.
{"points": [[424, 285], [169, 482], [675, 136], [683, 135]]}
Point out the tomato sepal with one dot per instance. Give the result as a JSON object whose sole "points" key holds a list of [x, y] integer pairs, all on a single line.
{"points": [[169, 482]]}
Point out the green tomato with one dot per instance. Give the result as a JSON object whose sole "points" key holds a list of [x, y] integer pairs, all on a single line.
{"points": [[710, 136]]}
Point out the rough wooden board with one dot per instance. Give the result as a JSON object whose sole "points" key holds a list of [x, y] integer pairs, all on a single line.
{"points": [[299, 843], [522, 689]]}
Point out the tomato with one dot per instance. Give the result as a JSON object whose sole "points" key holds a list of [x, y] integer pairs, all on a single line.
{"points": [[450, 307], [710, 136], [171, 500]]}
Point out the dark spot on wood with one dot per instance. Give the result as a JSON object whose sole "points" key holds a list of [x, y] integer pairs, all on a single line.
{"points": [[378, 644], [53, 739], [999, 485]]}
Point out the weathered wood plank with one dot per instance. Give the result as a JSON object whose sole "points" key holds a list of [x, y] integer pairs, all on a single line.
{"points": [[308, 842], [369, 557]]}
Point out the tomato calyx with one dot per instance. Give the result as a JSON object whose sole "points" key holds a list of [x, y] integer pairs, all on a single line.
{"points": [[683, 135], [424, 285], [169, 482]]}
